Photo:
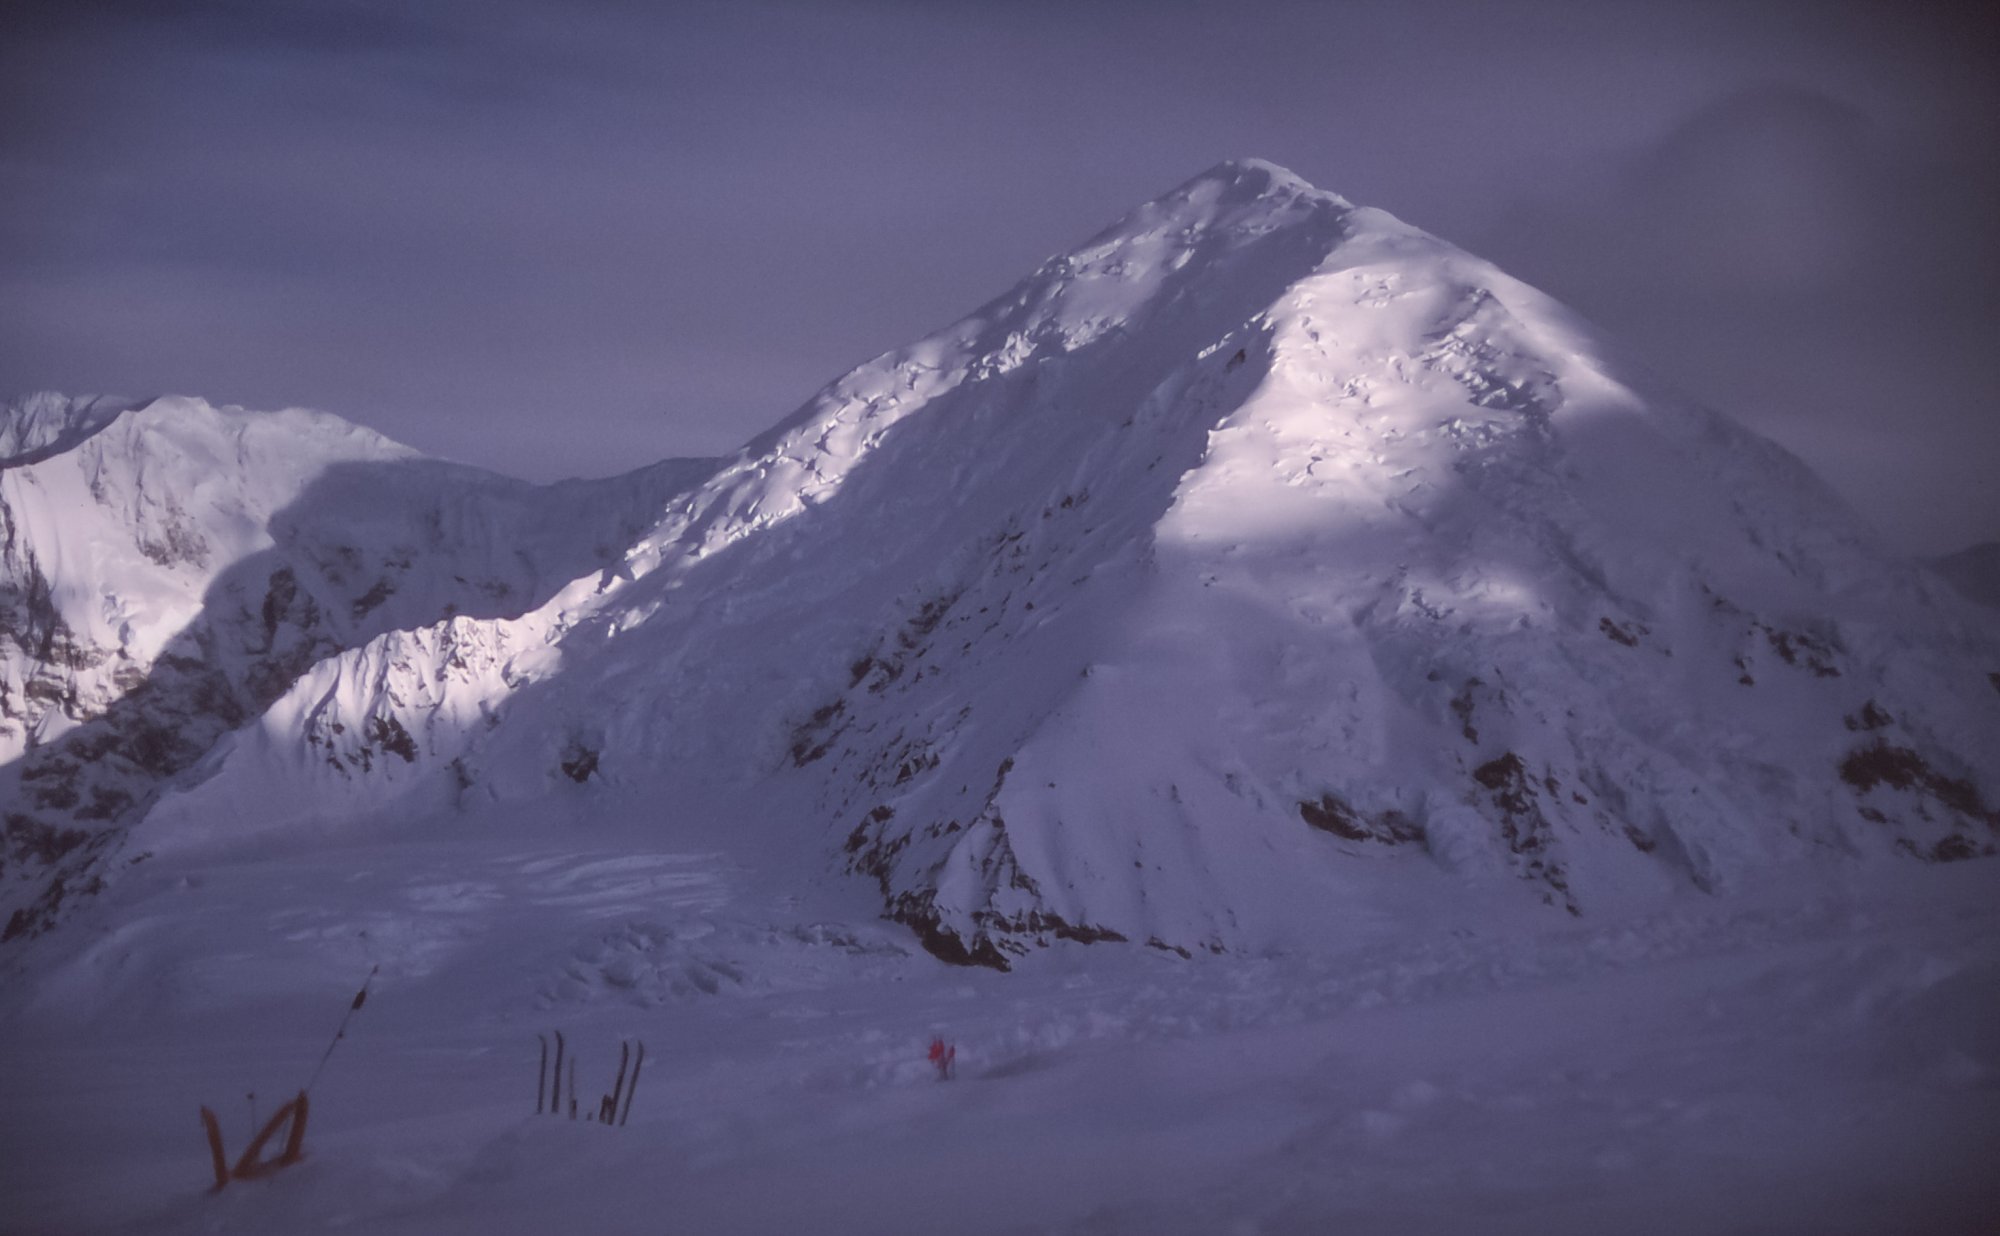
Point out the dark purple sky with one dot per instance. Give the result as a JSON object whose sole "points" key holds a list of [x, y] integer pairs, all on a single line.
{"points": [[568, 238]]}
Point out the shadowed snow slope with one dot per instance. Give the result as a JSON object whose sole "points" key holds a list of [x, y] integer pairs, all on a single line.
{"points": [[1974, 571], [1265, 566]]}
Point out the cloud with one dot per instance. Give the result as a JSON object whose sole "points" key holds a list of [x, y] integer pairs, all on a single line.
{"points": [[1778, 253], [1770, 190], [1767, 190]]}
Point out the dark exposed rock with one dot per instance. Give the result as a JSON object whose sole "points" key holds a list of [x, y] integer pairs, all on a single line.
{"points": [[916, 760], [814, 738], [1332, 814], [1900, 768], [367, 601], [859, 670], [578, 762], [926, 619], [1462, 705], [31, 839], [389, 734], [70, 857], [280, 594], [919, 916], [1871, 717], [107, 802], [1953, 849], [1529, 835], [859, 837], [994, 937], [1802, 649], [1622, 633], [178, 541]]}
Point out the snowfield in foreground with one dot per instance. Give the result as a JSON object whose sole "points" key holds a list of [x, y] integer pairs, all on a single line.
{"points": [[1808, 1060]]}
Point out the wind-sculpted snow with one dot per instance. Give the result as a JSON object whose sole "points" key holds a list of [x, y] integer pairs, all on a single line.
{"points": [[1255, 571]]}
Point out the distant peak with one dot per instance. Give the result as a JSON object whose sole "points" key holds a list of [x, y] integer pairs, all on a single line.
{"points": [[1276, 174], [37, 426], [1258, 178]]}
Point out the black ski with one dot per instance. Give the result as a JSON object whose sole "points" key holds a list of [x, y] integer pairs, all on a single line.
{"points": [[638, 1064], [607, 1110], [555, 1101], [542, 1078]]}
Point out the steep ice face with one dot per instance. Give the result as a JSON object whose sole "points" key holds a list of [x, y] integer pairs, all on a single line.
{"points": [[1262, 567]]}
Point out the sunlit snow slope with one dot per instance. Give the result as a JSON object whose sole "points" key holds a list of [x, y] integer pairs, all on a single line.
{"points": [[1261, 567]]}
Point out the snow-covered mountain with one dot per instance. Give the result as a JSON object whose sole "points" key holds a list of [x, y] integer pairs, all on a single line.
{"points": [[170, 569], [1258, 567]]}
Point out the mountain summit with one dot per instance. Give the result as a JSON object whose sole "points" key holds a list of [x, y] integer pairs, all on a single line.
{"points": [[1264, 566]]}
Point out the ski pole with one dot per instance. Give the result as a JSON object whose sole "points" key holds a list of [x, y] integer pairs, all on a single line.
{"points": [[360, 998]]}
